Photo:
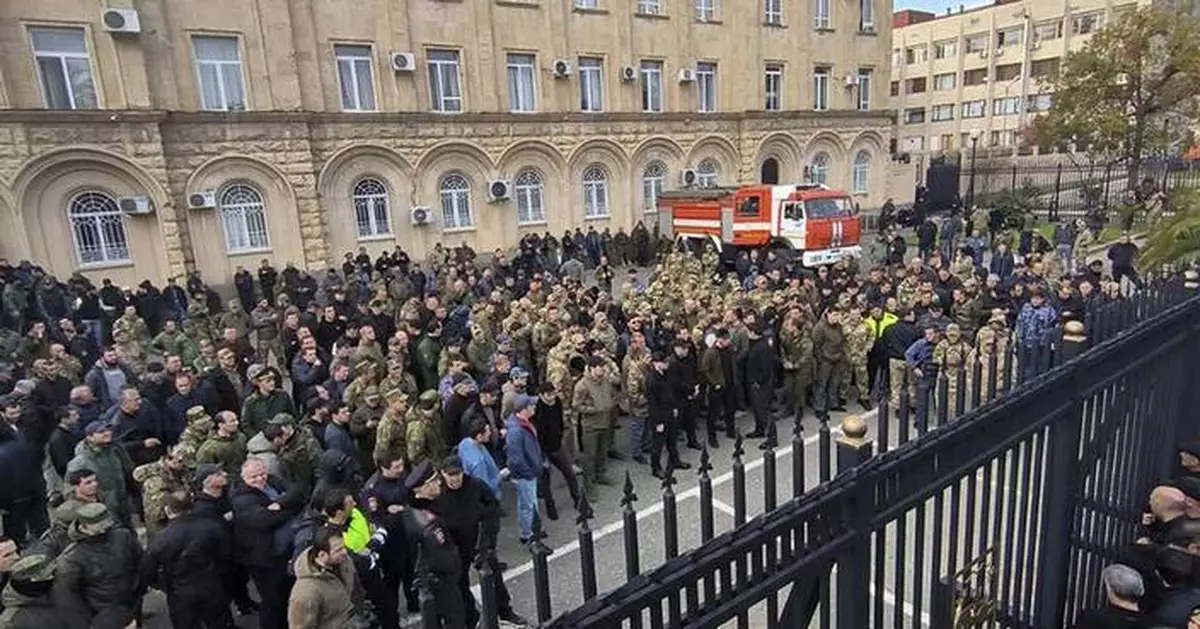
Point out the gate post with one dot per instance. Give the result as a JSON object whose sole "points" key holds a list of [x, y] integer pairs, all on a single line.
{"points": [[1062, 491], [1074, 340], [854, 565]]}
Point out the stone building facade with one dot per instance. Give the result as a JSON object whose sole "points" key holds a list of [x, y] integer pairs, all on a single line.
{"points": [[325, 148]]}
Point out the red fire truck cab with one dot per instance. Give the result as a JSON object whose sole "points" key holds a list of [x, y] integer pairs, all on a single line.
{"points": [[817, 224]]}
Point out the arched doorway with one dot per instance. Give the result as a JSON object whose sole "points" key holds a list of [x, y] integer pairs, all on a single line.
{"points": [[770, 171]]}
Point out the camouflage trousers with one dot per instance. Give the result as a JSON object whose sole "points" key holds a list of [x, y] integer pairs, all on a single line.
{"points": [[856, 371], [896, 370], [952, 394], [266, 347]]}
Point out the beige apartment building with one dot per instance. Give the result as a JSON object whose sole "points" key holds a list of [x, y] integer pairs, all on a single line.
{"points": [[145, 138], [980, 74]]}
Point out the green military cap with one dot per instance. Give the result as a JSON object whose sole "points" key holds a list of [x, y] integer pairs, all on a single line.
{"points": [[370, 392], [283, 419], [34, 568], [428, 399], [363, 364], [394, 395], [195, 413], [93, 519]]}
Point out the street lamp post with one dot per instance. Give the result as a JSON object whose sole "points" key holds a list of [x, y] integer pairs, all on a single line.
{"points": [[971, 181]]}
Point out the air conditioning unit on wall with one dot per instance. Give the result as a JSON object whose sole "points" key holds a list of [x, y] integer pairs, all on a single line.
{"points": [[420, 215], [562, 68], [404, 62], [136, 205], [498, 190], [688, 177], [687, 75], [121, 21], [628, 73], [202, 200]]}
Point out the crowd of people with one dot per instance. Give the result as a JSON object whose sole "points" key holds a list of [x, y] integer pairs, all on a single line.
{"points": [[343, 442], [1157, 583]]}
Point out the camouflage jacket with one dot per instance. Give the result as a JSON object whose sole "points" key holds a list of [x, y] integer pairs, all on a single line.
{"points": [[157, 481], [390, 435], [228, 452], [423, 439], [299, 456], [796, 349]]}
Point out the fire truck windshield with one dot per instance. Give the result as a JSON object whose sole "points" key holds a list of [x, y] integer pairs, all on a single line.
{"points": [[832, 207]]}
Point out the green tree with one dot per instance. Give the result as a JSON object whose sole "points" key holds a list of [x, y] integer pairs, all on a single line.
{"points": [[1130, 92], [1175, 238]]}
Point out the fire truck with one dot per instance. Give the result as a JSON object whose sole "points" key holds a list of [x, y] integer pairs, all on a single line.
{"points": [[810, 221]]}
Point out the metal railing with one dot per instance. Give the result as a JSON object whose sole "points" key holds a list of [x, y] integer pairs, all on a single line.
{"points": [[1006, 502]]}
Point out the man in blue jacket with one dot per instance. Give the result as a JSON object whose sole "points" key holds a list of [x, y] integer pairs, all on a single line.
{"points": [[476, 459], [524, 457]]}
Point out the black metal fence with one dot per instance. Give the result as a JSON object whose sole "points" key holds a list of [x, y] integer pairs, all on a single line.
{"points": [[1006, 501], [1059, 187]]}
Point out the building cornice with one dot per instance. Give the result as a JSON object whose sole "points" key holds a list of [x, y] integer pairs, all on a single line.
{"points": [[880, 117]]}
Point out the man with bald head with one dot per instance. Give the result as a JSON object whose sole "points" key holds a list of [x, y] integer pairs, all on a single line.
{"points": [[1167, 505]]}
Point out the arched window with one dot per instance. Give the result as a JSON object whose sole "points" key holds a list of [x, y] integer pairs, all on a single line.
{"points": [[530, 190], [653, 178], [98, 229], [371, 209], [455, 192], [860, 173], [244, 219], [818, 170], [707, 173], [595, 192], [769, 173]]}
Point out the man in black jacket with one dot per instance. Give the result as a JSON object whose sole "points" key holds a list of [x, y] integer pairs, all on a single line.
{"points": [[548, 420], [663, 421], [385, 498], [98, 572], [264, 510], [760, 374], [683, 372], [470, 512], [188, 561], [896, 340]]}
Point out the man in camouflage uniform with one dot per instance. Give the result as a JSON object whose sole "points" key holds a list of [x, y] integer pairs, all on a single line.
{"points": [[133, 325], [364, 378], [859, 339], [235, 317], [634, 368], [265, 321], [480, 350], [171, 341], [226, 446], [199, 427], [363, 423], [198, 325], [168, 474], [389, 435], [594, 402], [130, 352], [422, 434], [295, 447], [796, 354], [991, 350], [951, 355]]}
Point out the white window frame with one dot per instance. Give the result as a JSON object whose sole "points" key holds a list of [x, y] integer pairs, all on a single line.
{"points": [[649, 7], [773, 12], [821, 14], [1053, 27], [522, 82], [244, 219], [1037, 103], [653, 98], [914, 115], [773, 73], [223, 69], [445, 75], [587, 4], [591, 84], [95, 215], [595, 193], [350, 62], [863, 89], [372, 211], [1011, 37], [939, 83], [945, 49], [942, 113], [916, 54], [1006, 106], [708, 174], [820, 84], [866, 15], [529, 189], [974, 108], [77, 93], [1077, 21], [705, 10], [455, 201], [654, 178], [860, 173], [818, 168], [706, 87], [975, 43]]}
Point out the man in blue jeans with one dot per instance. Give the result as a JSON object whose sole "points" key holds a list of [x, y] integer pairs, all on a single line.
{"points": [[524, 457]]}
